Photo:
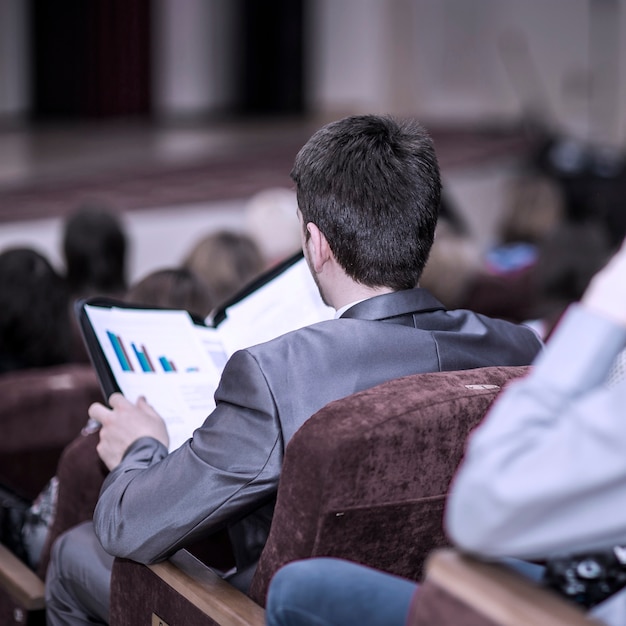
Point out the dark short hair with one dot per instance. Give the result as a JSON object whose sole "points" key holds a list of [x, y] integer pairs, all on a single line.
{"points": [[94, 246], [172, 288], [371, 184], [34, 312]]}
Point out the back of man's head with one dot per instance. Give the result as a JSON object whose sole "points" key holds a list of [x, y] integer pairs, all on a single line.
{"points": [[94, 246], [371, 185]]}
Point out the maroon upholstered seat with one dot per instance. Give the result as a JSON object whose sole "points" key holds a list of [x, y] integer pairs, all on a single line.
{"points": [[364, 479], [41, 411]]}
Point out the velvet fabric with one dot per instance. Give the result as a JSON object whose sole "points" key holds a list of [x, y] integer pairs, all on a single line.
{"points": [[365, 479], [41, 411], [139, 594]]}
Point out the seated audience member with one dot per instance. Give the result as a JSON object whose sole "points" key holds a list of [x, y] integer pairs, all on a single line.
{"points": [[368, 194], [94, 248], [334, 592], [34, 325], [176, 288], [533, 208], [225, 261], [543, 475], [172, 288], [454, 263], [270, 219], [567, 259]]}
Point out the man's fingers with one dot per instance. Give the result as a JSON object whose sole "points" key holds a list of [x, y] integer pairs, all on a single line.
{"points": [[97, 411], [118, 401]]}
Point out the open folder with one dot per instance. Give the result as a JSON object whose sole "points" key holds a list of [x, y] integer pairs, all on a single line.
{"points": [[176, 361]]}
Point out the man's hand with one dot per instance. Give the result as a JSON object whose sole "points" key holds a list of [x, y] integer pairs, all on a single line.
{"points": [[124, 423], [606, 294]]}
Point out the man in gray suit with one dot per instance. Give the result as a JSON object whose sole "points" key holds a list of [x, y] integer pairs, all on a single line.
{"points": [[368, 193]]}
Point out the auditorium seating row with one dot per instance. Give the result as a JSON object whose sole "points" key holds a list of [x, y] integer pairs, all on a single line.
{"points": [[364, 479]]}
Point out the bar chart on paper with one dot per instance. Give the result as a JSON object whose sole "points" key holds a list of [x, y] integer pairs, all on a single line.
{"points": [[142, 357], [158, 355], [139, 342]]}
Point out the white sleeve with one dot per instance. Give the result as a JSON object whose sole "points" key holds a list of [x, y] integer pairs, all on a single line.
{"points": [[546, 470]]}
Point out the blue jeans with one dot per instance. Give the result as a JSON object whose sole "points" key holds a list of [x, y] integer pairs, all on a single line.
{"points": [[332, 592]]}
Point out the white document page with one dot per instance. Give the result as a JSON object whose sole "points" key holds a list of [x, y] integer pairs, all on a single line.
{"points": [[287, 303], [157, 354]]}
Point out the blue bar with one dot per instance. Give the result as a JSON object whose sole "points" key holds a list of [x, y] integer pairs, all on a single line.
{"points": [[145, 366], [119, 352], [165, 364]]}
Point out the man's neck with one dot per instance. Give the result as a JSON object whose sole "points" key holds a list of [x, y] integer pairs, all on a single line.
{"points": [[349, 297]]}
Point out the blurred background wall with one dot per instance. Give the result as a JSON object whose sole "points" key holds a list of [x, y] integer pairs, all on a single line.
{"points": [[185, 108], [480, 61]]}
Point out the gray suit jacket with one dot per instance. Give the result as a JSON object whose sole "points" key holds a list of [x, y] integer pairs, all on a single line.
{"points": [[153, 503]]}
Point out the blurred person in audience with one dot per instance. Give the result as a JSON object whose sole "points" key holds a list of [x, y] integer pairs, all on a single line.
{"points": [[226, 261], [567, 259], [34, 324], [173, 288], [454, 263], [368, 191], [35, 332], [94, 249], [545, 473], [271, 220], [543, 476], [533, 207]]}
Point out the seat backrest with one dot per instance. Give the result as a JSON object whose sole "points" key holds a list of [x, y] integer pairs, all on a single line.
{"points": [[366, 477], [41, 411]]}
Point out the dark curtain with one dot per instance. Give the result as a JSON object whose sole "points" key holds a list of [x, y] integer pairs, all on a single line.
{"points": [[270, 56], [90, 58]]}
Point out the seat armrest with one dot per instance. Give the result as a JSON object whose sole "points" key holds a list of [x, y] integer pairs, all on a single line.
{"points": [[183, 577], [20, 582], [498, 593]]}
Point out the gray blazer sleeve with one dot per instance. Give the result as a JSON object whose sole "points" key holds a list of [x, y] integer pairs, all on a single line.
{"points": [[154, 503]]}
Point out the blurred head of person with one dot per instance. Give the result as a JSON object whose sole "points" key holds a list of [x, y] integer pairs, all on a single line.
{"points": [[568, 258], [226, 261], [455, 261], [34, 320], [172, 288], [271, 220], [95, 247]]}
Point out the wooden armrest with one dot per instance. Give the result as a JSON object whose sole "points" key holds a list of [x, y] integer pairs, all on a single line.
{"points": [[214, 596], [499, 593], [20, 582]]}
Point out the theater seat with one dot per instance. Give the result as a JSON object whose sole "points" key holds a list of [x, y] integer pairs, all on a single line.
{"points": [[364, 479], [41, 412], [459, 589]]}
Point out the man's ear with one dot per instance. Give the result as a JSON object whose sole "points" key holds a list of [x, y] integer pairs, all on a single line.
{"points": [[319, 250]]}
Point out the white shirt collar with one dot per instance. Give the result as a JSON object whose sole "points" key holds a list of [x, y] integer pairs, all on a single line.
{"points": [[343, 309]]}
